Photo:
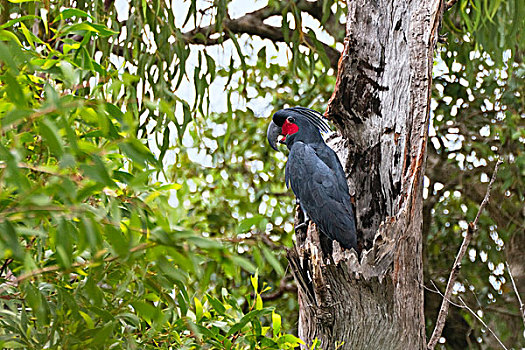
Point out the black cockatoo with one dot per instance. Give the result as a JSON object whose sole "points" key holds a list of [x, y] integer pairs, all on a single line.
{"points": [[314, 173]]}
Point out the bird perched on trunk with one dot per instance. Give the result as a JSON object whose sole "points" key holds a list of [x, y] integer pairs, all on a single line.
{"points": [[314, 173]]}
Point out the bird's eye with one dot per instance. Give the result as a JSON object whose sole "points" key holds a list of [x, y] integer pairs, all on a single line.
{"points": [[290, 119]]}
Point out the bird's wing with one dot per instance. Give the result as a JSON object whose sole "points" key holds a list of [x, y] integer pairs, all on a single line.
{"points": [[318, 189], [329, 157]]}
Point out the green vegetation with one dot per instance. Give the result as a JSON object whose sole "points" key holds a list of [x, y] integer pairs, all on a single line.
{"points": [[140, 207]]}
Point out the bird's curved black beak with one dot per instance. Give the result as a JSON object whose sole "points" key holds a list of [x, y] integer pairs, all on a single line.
{"points": [[273, 134]]}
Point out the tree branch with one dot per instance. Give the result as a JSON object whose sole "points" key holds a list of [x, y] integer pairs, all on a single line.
{"points": [[465, 306], [253, 24], [520, 302], [483, 323], [472, 228]]}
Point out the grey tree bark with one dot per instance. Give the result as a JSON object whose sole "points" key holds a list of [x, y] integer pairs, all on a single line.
{"points": [[381, 109]]}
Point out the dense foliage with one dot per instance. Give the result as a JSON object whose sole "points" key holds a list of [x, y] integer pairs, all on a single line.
{"points": [[94, 253], [141, 208]]}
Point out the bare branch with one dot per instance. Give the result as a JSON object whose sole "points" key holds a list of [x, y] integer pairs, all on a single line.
{"points": [[252, 24], [464, 306], [472, 228], [487, 196], [522, 306], [483, 323], [436, 290]]}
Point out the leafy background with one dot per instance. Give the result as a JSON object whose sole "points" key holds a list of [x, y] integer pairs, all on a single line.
{"points": [[140, 206]]}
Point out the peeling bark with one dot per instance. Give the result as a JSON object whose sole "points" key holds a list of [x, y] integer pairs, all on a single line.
{"points": [[381, 107]]}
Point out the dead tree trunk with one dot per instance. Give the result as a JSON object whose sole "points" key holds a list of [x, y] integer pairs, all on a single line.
{"points": [[381, 108]]}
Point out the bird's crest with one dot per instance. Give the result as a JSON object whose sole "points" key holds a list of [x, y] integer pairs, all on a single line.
{"points": [[313, 117]]}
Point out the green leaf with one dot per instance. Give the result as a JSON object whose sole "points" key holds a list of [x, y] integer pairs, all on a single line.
{"points": [[18, 20], [212, 69], [103, 334], [285, 25], [198, 309], [50, 132], [72, 12], [192, 10], [326, 11], [28, 35], [100, 29], [320, 49], [14, 91], [216, 304], [276, 323], [292, 339], [244, 263], [145, 310], [10, 238], [246, 224], [245, 319], [205, 243], [272, 260], [89, 321], [97, 171], [170, 271], [38, 304], [43, 16], [255, 282], [6, 35], [117, 239], [136, 150], [7, 53], [130, 319], [15, 115], [258, 302]]}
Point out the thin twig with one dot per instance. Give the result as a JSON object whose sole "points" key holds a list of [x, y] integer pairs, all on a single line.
{"points": [[465, 306], [522, 306], [436, 290], [483, 323], [472, 228]]}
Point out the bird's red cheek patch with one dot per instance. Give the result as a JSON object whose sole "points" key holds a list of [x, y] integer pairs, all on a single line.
{"points": [[289, 128]]}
